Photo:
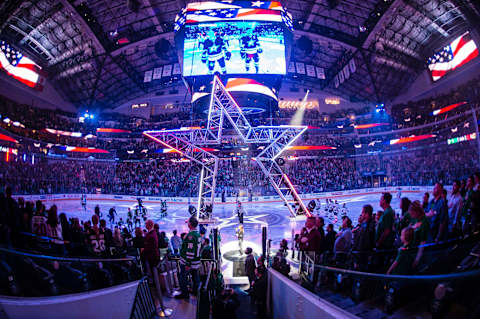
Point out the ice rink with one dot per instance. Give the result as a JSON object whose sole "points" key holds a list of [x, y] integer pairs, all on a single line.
{"points": [[274, 215]]}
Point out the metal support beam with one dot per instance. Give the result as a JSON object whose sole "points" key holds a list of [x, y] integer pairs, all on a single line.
{"points": [[431, 19], [85, 27], [97, 78], [207, 161], [370, 37], [311, 15], [475, 123], [26, 36], [372, 79], [155, 20]]}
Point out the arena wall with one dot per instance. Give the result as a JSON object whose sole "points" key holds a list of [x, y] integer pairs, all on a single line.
{"points": [[230, 200]]}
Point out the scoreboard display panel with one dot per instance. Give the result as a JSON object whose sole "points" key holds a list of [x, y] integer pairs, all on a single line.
{"points": [[246, 43]]}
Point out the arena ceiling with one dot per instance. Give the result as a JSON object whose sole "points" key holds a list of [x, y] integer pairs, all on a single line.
{"points": [[96, 51]]}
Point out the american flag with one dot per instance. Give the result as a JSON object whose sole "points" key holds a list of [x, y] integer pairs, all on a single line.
{"points": [[210, 11], [20, 67], [461, 51], [233, 14]]}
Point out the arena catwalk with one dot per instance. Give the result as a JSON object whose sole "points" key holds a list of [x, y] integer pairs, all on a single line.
{"points": [[274, 215]]}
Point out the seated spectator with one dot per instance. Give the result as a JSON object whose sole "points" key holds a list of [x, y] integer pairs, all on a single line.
{"points": [[403, 264], [280, 264]]}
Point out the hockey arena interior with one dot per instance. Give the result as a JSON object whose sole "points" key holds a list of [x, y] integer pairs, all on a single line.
{"points": [[239, 159]]}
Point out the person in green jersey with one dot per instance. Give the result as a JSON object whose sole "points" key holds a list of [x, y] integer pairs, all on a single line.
{"points": [[190, 258], [384, 236], [421, 228], [405, 256]]}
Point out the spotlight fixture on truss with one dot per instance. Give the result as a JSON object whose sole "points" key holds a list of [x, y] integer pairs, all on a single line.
{"points": [[225, 114]]}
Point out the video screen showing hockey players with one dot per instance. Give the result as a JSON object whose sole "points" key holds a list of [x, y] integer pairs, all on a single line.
{"points": [[234, 48]]}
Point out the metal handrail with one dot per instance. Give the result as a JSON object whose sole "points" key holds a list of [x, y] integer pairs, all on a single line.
{"points": [[429, 278], [144, 305], [70, 259], [430, 246]]}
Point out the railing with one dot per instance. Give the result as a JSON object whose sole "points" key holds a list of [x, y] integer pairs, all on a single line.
{"points": [[144, 305], [33, 275], [451, 263]]}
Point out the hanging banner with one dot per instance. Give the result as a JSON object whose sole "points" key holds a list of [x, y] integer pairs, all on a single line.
{"points": [[310, 70], [176, 69], [291, 67], [341, 78], [157, 73], [167, 70], [320, 73], [352, 66], [335, 80], [346, 72], [148, 76], [300, 68]]}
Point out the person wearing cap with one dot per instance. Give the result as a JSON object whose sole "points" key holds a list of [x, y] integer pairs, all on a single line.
{"points": [[250, 265]]}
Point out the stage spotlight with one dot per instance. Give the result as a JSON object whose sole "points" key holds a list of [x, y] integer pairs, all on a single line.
{"points": [[297, 118], [280, 161]]}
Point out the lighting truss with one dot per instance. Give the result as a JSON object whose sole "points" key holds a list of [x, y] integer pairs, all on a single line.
{"points": [[223, 112], [208, 162]]}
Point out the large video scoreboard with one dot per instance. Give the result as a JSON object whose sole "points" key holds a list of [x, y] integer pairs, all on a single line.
{"points": [[246, 43]]}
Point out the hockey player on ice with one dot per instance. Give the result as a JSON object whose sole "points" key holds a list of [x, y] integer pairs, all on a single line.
{"points": [[215, 51], [250, 50]]}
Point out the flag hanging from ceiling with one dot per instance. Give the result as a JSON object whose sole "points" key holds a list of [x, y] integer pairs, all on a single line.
{"points": [[21, 68], [461, 51]]}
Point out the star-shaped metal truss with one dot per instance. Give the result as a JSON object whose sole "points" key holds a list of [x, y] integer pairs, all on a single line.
{"points": [[224, 113]]}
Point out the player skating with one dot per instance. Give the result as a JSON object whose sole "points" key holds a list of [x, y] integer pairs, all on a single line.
{"points": [[205, 212], [250, 50], [163, 208], [83, 201], [111, 215], [344, 210], [215, 51], [136, 218], [240, 212]]}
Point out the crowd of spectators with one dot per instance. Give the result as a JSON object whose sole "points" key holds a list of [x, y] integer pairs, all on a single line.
{"points": [[372, 244], [239, 176]]}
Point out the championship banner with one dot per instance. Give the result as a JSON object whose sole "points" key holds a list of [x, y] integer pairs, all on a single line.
{"points": [[300, 67], [320, 73], [148, 76], [310, 70], [167, 70], [157, 73]]}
